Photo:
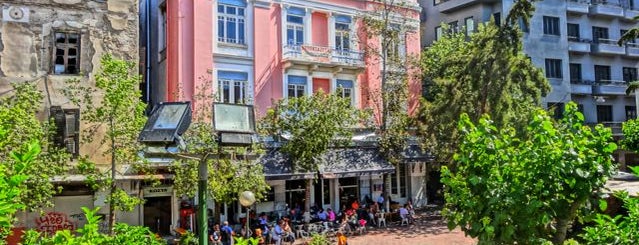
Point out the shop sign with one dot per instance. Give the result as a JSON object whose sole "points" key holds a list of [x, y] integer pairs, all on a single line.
{"points": [[160, 191]]}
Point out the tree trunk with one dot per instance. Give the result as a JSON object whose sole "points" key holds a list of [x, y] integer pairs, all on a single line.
{"points": [[218, 213], [636, 99], [113, 185], [307, 196], [564, 222], [385, 194]]}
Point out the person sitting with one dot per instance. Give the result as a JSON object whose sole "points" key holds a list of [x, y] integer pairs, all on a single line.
{"points": [[277, 233], [260, 237], [331, 215], [288, 234], [355, 205], [344, 225], [403, 212], [215, 235], [322, 215]]}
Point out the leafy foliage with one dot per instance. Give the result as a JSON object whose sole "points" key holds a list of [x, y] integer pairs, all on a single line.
{"points": [[630, 131], [246, 241], [312, 124], [230, 173], [114, 120], [18, 118], [11, 183], [509, 188], [319, 239], [621, 229], [89, 234], [487, 74]]}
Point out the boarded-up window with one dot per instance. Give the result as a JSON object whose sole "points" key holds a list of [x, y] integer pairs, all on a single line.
{"points": [[67, 124], [66, 53]]}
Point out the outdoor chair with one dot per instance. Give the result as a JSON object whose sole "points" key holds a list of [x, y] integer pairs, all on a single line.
{"points": [[381, 219], [404, 220]]}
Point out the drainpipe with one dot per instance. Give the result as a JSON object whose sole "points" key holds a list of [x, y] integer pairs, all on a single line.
{"points": [[147, 61]]}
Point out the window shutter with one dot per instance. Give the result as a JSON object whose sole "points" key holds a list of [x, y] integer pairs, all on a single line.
{"points": [[59, 120], [72, 139]]}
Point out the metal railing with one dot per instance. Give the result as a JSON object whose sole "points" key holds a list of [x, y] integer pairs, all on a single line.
{"points": [[578, 39], [611, 82], [605, 41], [323, 54], [615, 127]]}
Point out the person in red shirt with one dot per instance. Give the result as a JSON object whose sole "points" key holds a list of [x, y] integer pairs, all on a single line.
{"points": [[355, 205]]}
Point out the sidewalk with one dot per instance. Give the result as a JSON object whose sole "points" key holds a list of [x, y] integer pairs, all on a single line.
{"points": [[428, 229]]}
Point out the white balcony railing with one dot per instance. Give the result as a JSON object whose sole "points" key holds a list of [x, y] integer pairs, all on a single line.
{"points": [[322, 54]]}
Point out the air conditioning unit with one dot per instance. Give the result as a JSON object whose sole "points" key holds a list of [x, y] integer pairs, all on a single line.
{"points": [[15, 14]]}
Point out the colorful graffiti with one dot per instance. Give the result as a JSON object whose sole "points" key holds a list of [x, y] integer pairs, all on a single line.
{"points": [[54, 221]]}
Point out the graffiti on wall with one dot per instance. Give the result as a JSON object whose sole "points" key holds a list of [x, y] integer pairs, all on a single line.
{"points": [[54, 221]]}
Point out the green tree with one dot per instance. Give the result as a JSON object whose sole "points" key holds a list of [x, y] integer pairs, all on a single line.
{"points": [[231, 170], [11, 183], [525, 188], [19, 117], [312, 124], [114, 116], [485, 73], [386, 28]]}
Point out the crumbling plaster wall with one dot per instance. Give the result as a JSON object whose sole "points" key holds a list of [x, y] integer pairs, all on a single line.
{"points": [[26, 48]]}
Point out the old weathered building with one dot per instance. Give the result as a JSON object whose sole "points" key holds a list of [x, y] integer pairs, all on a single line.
{"points": [[47, 42]]}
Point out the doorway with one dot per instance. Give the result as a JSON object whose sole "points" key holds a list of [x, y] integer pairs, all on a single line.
{"points": [[157, 215]]}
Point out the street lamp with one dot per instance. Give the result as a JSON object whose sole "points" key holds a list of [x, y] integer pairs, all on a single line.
{"points": [[247, 198], [234, 123]]}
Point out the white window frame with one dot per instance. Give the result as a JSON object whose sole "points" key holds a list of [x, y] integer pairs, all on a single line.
{"points": [[296, 88], [162, 27], [225, 18], [296, 27], [344, 37], [232, 98]]}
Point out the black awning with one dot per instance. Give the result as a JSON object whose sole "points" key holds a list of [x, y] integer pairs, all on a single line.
{"points": [[353, 162], [414, 153], [336, 163], [277, 166]]}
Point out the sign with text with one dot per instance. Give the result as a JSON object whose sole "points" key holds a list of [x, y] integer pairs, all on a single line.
{"points": [[160, 191]]}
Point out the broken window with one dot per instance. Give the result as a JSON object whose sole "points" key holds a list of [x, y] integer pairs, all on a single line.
{"points": [[67, 125], [66, 54]]}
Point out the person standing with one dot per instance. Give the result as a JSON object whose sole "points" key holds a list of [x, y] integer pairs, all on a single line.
{"points": [[380, 200], [227, 234]]}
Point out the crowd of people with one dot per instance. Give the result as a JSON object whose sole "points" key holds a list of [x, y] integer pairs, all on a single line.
{"points": [[349, 219]]}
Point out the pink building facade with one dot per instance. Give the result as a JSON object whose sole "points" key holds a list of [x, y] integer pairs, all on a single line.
{"points": [[259, 51]]}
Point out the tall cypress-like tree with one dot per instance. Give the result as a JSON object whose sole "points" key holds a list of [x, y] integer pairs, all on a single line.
{"points": [[486, 73]]}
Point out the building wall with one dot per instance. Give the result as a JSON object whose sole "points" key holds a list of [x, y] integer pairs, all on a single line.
{"points": [[539, 46], [26, 48]]}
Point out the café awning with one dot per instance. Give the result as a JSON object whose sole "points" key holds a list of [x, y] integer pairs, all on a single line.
{"points": [[336, 163]]}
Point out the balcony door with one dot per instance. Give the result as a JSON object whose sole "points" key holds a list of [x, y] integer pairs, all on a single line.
{"points": [[604, 113]]}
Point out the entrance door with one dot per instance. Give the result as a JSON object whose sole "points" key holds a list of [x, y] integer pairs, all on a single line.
{"points": [[295, 193], [157, 214], [348, 188], [322, 192]]}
